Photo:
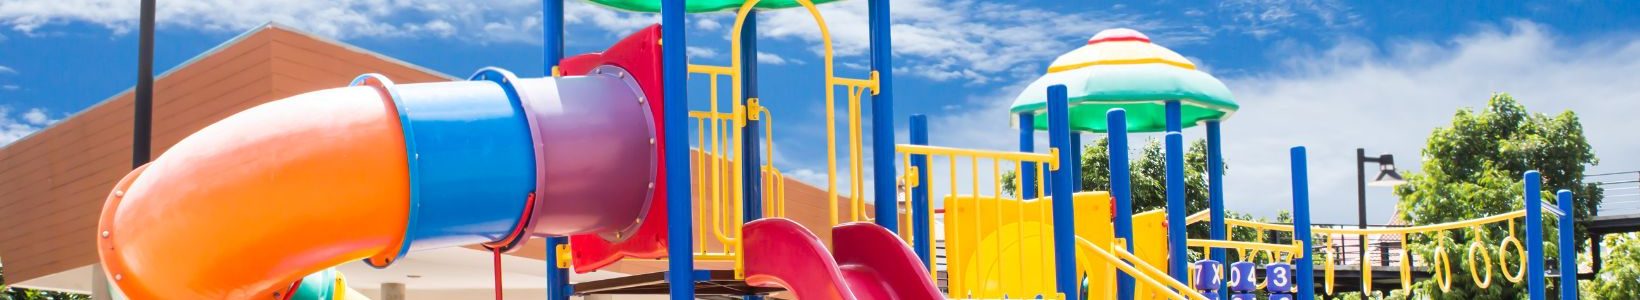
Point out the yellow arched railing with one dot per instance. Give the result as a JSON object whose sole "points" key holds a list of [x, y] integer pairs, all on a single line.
{"points": [[719, 176]]}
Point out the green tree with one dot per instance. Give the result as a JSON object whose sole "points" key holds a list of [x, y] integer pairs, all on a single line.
{"points": [[1620, 278], [10, 293], [1472, 169], [1149, 179], [1149, 183]]}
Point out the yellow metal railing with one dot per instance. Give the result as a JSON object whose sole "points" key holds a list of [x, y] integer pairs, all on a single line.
{"points": [[1118, 256], [856, 89], [972, 222], [1440, 262], [719, 174]]}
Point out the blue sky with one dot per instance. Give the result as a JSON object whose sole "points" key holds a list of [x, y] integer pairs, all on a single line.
{"points": [[1329, 75]]}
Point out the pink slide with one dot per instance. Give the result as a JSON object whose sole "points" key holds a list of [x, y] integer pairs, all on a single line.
{"points": [[869, 262]]}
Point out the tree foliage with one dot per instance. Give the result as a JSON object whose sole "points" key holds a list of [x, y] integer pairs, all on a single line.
{"points": [[1620, 278], [1149, 179], [1472, 169], [10, 293], [1149, 183]]}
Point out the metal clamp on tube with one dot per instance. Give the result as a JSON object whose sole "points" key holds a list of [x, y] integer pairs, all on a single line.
{"points": [[520, 231]]}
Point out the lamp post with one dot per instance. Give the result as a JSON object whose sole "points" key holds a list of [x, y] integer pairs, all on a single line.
{"points": [[1386, 177]]}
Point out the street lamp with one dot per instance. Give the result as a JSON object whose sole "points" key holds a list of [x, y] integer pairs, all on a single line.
{"points": [[1386, 177]]}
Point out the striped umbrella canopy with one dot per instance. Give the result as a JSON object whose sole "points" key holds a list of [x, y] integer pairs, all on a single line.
{"points": [[1121, 68], [700, 6]]}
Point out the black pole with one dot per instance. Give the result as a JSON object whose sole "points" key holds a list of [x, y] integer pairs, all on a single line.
{"points": [[142, 128], [1594, 251], [1361, 197]]}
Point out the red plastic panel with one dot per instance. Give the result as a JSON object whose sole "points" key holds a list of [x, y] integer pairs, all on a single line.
{"points": [[640, 55]]}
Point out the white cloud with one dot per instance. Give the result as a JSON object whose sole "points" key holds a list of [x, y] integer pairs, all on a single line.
{"points": [[706, 23], [1348, 97], [614, 21], [496, 20], [774, 59], [7, 70], [700, 52], [10, 87], [1262, 18], [973, 41], [14, 128], [37, 117]]}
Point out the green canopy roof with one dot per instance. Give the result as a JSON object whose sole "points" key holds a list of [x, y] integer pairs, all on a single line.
{"points": [[1120, 68], [1142, 89], [699, 6]]}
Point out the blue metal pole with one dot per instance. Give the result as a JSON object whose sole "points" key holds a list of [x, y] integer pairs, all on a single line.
{"points": [[674, 68], [552, 33], [1534, 234], [1064, 209], [1027, 143], [552, 39], [1301, 222], [919, 194], [1178, 262], [1076, 164], [1121, 188], [1215, 196], [1568, 246], [1174, 116], [751, 167], [882, 115]]}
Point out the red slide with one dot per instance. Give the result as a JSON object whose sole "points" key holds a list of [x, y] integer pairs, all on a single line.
{"points": [[869, 262]]}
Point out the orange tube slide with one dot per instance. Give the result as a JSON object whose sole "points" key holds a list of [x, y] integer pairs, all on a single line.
{"points": [[248, 205]]}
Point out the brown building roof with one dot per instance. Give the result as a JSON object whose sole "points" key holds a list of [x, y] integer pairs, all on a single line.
{"points": [[55, 180]]}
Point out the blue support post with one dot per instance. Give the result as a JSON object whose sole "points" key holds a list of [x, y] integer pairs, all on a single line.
{"points": [[1076, 164], [552, 33], [919, 194], [552, 39], [1178, 263], [882, 116], [1568, 246], [1027, 144], [1534, 234], [675, 114], [751, 166], [1174, 116], [1215, 194], [1301, 222], [1122, 190], [1064, 210]]}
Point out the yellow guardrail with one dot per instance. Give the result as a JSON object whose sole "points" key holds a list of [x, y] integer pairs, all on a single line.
{"points": [[856, 89], [1440, 263], [992, 250], [719, 174], [1137, 268]]}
